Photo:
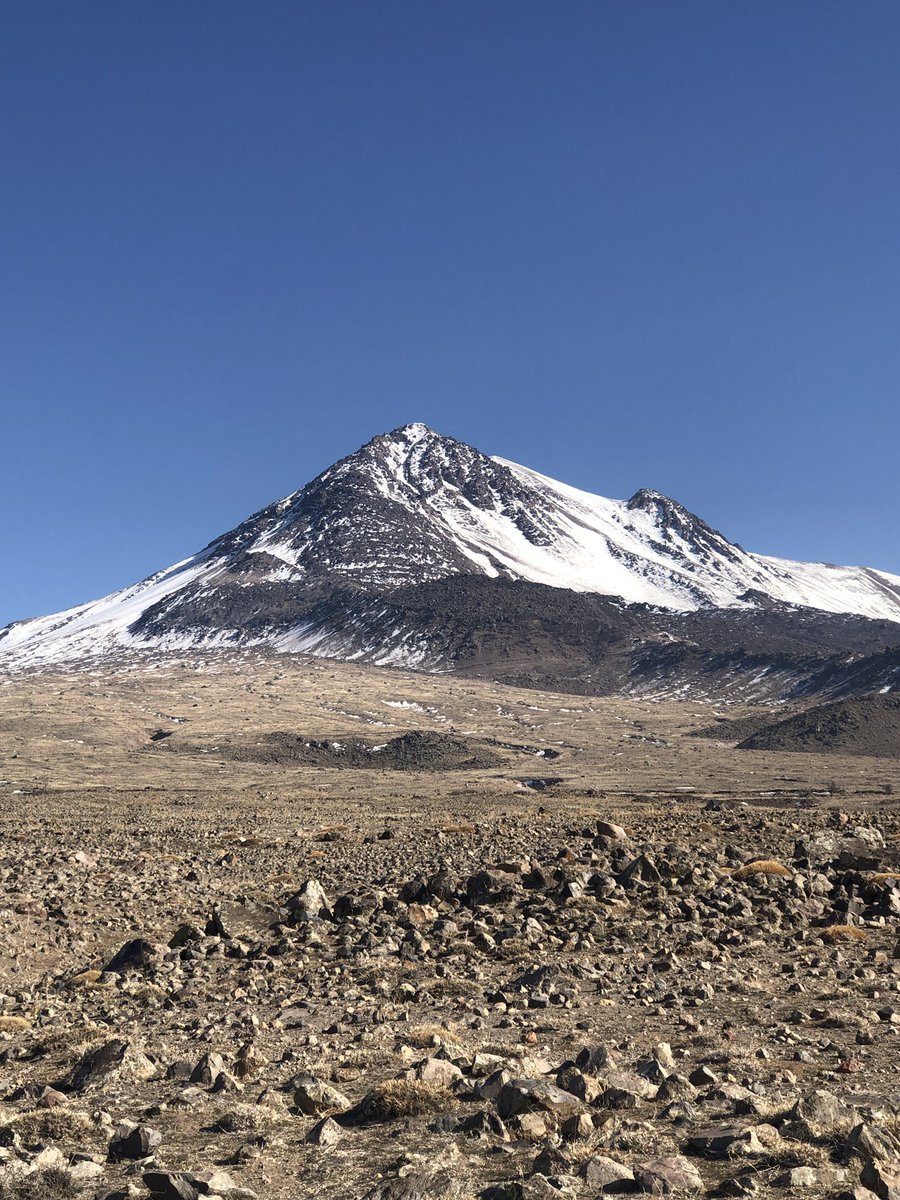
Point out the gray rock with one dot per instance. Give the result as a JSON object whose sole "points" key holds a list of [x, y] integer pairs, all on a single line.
{"points": [[668, 1176], [170, 1185], [524, 1095], [883, 1178], [872, 1141], [822, 1113], [326, 1132], [133, 956], [802, 1178], [607, 1174], [735, 1141], [313, 1096], [310, 901], [208, 1069], [626, 1089], [114, 1059], [609, 830], [133, 1141]]}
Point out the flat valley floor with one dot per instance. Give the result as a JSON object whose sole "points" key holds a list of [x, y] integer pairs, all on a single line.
{"points": [[295, 928]]}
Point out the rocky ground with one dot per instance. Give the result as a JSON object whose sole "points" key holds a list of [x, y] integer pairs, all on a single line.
{"points": [[444, 988]]}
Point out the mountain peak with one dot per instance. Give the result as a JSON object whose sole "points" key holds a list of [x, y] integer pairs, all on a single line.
{"points": [[648, 500], [412, 507], [414, 431]]}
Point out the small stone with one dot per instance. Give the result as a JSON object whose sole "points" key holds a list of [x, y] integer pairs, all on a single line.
{"points": [[668, 1176], [313, 1096], [605, 1173], [326, 1133], [133, 1141], [801, 1178], [208, 1069]]}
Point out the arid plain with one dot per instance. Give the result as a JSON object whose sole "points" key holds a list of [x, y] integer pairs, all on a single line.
{"points": [[294, 928]]}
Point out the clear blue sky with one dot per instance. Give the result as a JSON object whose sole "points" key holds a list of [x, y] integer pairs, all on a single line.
{"points": [[641, 242]]}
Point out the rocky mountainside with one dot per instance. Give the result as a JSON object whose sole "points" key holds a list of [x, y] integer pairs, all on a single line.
{"points": [[405, 552], [868, 725]]}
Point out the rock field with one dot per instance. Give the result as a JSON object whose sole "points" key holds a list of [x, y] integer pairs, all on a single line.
{"points": [[460, 989]]}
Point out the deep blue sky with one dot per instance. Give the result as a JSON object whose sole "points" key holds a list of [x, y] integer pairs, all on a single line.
{"points": [[641, 242]]}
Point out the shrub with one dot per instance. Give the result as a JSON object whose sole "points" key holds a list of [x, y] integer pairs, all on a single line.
{"points": [[53, 1183], [762, 866], [406, 1098], [843, 933]]}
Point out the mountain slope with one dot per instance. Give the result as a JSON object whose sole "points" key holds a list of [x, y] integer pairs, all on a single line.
{"points": [[410, 508], [867, 725]]}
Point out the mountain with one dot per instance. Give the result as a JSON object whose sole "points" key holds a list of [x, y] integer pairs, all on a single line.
{"points": [[342, 567]]}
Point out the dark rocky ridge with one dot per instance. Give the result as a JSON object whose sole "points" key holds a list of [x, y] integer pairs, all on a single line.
{"points": [[532, 635], [867, 725], [418, 750]]}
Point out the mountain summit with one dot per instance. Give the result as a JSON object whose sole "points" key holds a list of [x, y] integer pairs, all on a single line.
{"points": [[412, 507]]}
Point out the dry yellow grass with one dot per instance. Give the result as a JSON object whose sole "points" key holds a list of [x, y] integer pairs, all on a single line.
{"points": [[87, 979], [56, 1125], [844, 933], [423, 1036], [247, 1118], [762, 866], [50, 1183], [71, 735], [13, 1024], [408, 1098]]}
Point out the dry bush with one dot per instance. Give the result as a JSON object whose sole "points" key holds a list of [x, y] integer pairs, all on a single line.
{"points": [[53, 1183], [245, 1118], [762, 866], [424, 1036], [55, 1125], [13, 1024], [453, 985], [843, 933], [70, 1043], [810, 1154], [408, 1098], [513, 948], [88, 979]]}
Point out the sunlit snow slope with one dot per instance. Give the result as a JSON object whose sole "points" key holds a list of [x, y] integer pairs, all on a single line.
{"points": [[410, 507]]}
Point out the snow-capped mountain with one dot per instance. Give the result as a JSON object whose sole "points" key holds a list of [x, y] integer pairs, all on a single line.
{"points": [[411, 507]]}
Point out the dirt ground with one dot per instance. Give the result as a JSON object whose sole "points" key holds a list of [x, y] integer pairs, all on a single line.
{"points": [[466, 929]]}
